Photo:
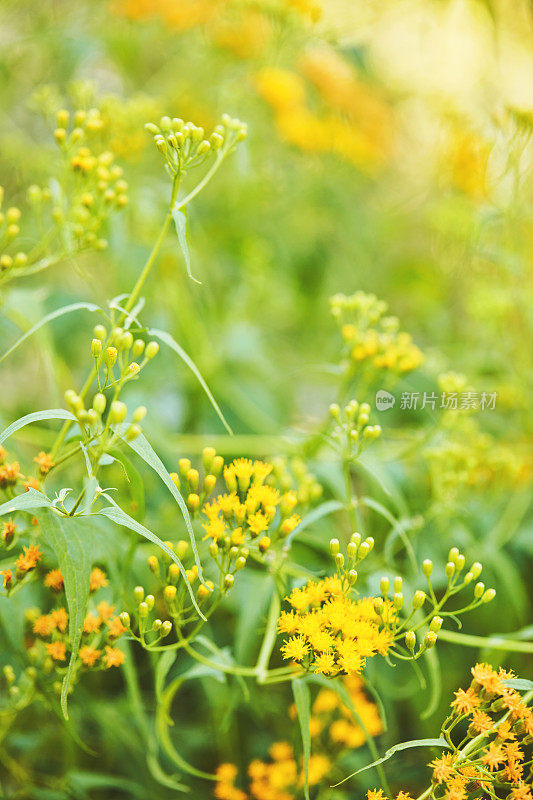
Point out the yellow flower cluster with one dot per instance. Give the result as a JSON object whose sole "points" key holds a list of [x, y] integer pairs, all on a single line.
{"points": [[252, 509], [359, 136], [329, 632], [371, 338], [331, 725]]}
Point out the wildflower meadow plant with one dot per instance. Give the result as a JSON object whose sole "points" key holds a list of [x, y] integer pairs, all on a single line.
{"points": [[238, 575]]}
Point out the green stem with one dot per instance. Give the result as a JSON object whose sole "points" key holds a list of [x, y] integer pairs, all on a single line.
{"points": [[494, 642]]}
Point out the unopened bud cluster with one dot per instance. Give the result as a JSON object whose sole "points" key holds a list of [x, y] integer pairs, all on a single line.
{"points": [[197, 484], [184, 145], [356, 551], [351, 431]]}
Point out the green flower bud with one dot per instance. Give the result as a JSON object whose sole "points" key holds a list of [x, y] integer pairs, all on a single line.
{"points": [[240, 563], [449, 569], [356, 538], [427, 567], [92, 417], [133, 432], [138, 594], [117, 412], [96, 348], [151, 128], [169, 593], [452, 555], [152, 349], [166, 627], [208, 455], [410, 640], [489, 595], [435, 624], [153, 563], [460, 562], [126, 341], [213, 549], [352, 577], [351, 550], [229, 580], [334, 546], [99, 403], [339, 560], [125, 619], [430, 639], [156, 625], [335, 411], [364, 550], [149, 600], [479, 589], [398, 600], [398, 583], [370, 542], [384, 586], [99, 332], [469, 577], [143, 610], [138, 348], [110, 357], [418, 599], [378, 605], [475, 569], [139, 413]]}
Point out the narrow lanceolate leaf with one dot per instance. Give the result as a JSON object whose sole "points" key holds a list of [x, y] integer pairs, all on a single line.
{"points": [[60, 312], [71, 540], [397, 747], [116, 514], [24, 502], [144, 449], [167, 339], [36, 416], [520, 684], [180, 220], [302, 701]]}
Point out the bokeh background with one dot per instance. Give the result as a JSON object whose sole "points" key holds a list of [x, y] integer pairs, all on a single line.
{"points": [[389, 151]]}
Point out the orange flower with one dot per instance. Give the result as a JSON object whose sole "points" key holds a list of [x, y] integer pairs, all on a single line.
{"points": [[91, 623], [8, 531], [97, 579], [56, 650], [89, 655], [31, 483], [442, 768], [60, 619], [487, 678], [43, 625], [113, 657], [465, 701], [44, 460], [481, 722], [28, 561], [54, 580], [116, 628], [9, 474], [493, 756], [105, 611], [8, 578]]}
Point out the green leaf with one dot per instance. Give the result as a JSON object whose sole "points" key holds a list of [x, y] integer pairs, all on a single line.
{"points": [[520, 684], [136, 485], [180, 221], [71, 539], [144, 449], [24, 502], [48, 318], [435, 679], [302, 700], [116, 514], [36, 416], [167, 339], [397, 747], [329, 507]]}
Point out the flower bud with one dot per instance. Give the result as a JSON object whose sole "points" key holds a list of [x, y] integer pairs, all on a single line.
{"points": [[193, 502], [173, 572], [209, 483], [378, 605], [139, 413], [398, 600], [143, 610], [410, 640], [240, 563], [96, 348], [153, 563], [479, 589], [398, 583], [427, 567], [370, 542], [356, 538], [156, 625], [460, 562], [351, 550], [213, 549], [452, 555], [418, 599], [181, 548], [169, 593], [229, 580], [334, 546], [335, 411], [166, 627], [264, 543], [133, 432], [193, 478], [99, 332], [125, 619], [110, 356], [149, 600], [449, 569], [339, 560], [364, 550], [99, 403], [469, 577], [489, 595], [117, 412], [92, 417], [475, 569], [216, 466], [352, 577], [138, 594], [384, 586], [435, 624], [429, 639], [126, 340], [152, 349]]}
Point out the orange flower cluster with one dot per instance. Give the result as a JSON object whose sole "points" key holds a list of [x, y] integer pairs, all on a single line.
{"points": [[492, 759], [100, 627]]}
